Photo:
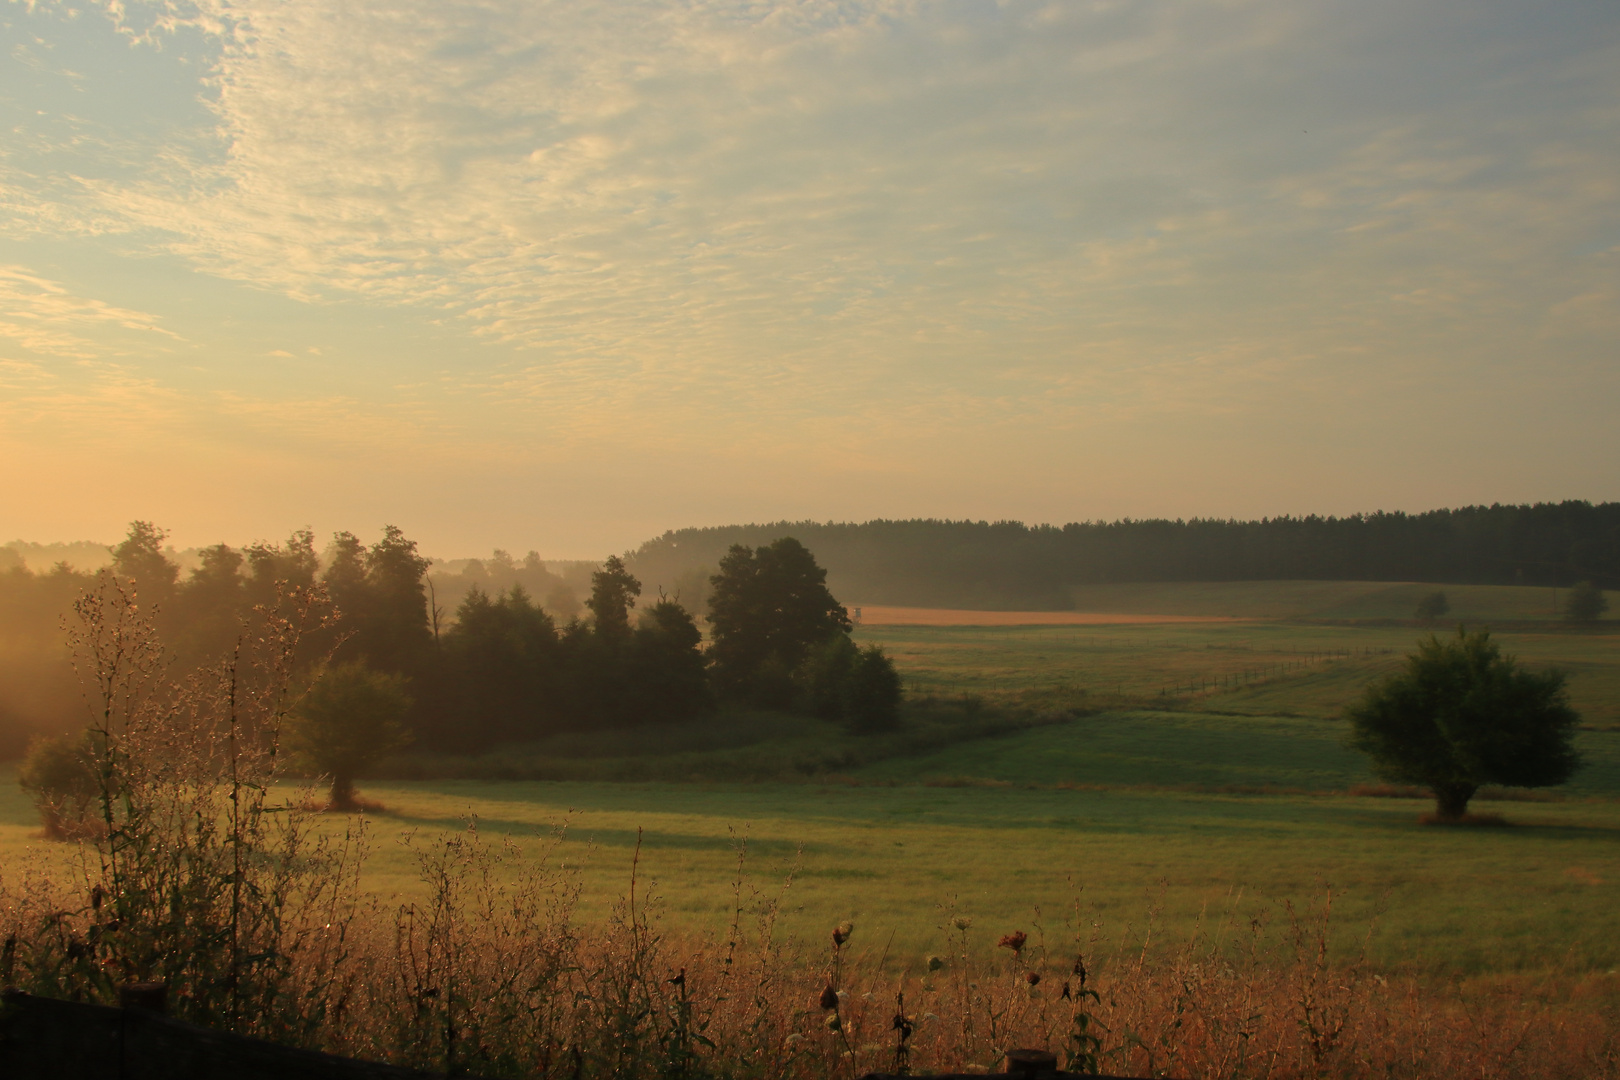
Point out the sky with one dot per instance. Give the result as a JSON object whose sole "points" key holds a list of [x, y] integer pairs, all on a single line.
{"points": [[562, 275]]}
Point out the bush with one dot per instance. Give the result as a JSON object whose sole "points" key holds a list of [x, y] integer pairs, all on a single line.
{"points": [[1586, 603], [352, 718], [1433, 606], [857, 686], [59, 774]]}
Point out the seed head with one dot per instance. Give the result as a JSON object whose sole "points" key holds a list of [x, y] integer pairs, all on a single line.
{"points": [[832, 1022], [829, 997], [1033, 978], [961, 922], [935, 963], [841, 933], [1014, 941]]}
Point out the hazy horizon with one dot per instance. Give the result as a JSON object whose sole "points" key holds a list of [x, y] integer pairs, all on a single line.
{"points": [[560, 276]]}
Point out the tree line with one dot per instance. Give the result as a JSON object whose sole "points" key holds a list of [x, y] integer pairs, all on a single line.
{"points": [[503, 667], [1008, 564]]}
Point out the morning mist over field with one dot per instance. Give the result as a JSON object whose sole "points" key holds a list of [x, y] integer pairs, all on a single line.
{"points": [[564, 276]]}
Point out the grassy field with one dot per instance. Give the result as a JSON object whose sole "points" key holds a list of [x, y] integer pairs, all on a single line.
{"points": [[1259, 668], [1319, 600], [1196, 770], [1537, 895]]}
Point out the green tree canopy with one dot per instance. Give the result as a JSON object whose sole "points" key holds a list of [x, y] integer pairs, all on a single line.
{"points": [[613, 594], [380, 595], [1586, 603], [1461, 714], [271, 565], [1433, 606], [768, 609], [59, 774], [666, 668], [140, 558], [351, 718], [859, 686]]}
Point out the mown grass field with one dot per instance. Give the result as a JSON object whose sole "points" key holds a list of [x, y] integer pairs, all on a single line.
{"points": [[1204, 775]]}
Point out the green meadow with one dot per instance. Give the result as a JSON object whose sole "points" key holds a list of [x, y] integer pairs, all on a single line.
{"points": [[1172, 776]]}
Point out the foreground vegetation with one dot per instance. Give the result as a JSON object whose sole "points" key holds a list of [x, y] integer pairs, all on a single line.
{"points": [[1182, 833], [1201, 922]]}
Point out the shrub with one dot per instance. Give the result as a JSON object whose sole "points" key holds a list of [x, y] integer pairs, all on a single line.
{"points": [[352, 718], [1585, 604], [1433, 606], [857, 686], [59, 774]]}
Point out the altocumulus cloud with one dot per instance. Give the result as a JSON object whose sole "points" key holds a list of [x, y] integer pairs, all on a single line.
{"points": [[953, 212]]}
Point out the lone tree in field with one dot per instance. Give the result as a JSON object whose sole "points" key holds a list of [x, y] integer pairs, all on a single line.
{"points": [[1433, 606], [1461, 715], [352, 718], [1586, 603]]}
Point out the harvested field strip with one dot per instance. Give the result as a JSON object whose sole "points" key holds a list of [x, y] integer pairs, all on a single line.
{"points": [[907, 616]]}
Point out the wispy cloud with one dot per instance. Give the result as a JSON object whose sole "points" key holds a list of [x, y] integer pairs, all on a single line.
{"points": [[778, 223], [43, 317]]}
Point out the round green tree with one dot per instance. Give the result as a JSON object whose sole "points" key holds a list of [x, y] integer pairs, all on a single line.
{"points": [[1586, 603], [1433, 606], [59, 774], [351, 718], [1460, 715]]}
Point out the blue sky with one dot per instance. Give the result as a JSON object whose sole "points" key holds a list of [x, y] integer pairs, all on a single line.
{"points": [[562, 275]]}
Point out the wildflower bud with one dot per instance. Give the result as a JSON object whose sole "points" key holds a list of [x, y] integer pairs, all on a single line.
{"points": [[1014, 941], [829, 997], [935, 963], [1033, 978], [1066, 995], [841, 933], [833, 1023]]}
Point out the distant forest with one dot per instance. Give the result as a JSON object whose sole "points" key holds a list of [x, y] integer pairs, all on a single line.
{"points": [[520, 655], [1009, 565], [504, 649]]}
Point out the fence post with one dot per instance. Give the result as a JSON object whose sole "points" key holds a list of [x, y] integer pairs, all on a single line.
{"points": [[151, 996], [1030, 1064]]}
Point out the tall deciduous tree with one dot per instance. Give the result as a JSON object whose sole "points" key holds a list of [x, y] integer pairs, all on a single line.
{"points": [[1461, 715], [277, 565], [768, 609], [140, 558], [613, 594], [381, 597]]}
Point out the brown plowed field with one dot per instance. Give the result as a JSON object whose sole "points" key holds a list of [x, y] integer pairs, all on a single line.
{"points": [[912, 616]]}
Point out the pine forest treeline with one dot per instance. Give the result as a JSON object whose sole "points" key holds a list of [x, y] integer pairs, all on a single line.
{"points": [[1009, 565]]}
